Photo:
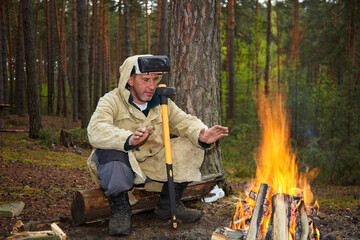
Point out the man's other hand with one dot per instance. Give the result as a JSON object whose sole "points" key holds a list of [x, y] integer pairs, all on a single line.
{"points": [[140, 135], [213, 134]]}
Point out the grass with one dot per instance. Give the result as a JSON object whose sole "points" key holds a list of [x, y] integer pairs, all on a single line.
{"points": [[32, 151]]}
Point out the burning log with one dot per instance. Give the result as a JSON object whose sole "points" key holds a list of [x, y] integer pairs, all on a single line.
{"points": [[92, 205], [258, 212], [281, 216], [304, 222]]}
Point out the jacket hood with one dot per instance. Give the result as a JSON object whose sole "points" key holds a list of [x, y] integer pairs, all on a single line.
{"points": [[125, 70]]}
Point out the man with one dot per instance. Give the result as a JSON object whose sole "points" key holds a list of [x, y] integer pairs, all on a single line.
{"points": [[126, 133]]}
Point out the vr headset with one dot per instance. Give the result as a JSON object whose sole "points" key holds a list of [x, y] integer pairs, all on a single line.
{"points": [[151, 64]]}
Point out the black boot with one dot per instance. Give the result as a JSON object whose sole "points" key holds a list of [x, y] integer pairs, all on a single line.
{"points": [[162, 209], [120, 220]]}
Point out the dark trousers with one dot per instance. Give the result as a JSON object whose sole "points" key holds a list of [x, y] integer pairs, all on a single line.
{"points": [[114, 171]]}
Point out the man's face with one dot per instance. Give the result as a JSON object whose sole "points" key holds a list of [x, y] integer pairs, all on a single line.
{"points": [[143, 86]]}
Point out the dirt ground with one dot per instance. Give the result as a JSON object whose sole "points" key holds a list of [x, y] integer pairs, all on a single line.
{"points": [[47, 190]]}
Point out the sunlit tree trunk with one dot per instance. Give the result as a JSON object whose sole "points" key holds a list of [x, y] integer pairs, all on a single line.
{"points": [[20, 66], [230, 111], [195, 64], [32, 84], [268, 39], [83, 65]]}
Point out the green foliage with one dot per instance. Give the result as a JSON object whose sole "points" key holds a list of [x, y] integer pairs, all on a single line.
{"points": [[49, 136], [80, 138], [238, 151]]}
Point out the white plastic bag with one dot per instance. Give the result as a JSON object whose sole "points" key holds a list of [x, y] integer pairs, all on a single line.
{"points": [[219, 193]]}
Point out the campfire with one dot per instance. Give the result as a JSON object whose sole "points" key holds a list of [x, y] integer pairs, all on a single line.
{"points": [[277, 203]]}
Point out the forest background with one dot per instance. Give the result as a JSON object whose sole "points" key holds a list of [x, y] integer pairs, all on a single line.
{"points": [[309, 50]]}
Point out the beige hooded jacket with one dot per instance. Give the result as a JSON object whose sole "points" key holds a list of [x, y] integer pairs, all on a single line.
{"points": [[114, 120]]}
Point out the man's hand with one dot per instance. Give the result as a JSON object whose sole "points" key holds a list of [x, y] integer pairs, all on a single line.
{"points": [[213, 134], [140, 135]]}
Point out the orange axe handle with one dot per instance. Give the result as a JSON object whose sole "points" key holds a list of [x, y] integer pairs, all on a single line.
{"points": [[169, 168]]}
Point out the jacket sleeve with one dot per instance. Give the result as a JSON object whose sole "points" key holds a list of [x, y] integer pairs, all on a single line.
{"points": [[183, 124], [102, 132]]}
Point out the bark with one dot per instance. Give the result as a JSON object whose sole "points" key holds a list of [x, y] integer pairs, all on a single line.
{"points": [[119, 39], [135, 29], [158, 26], [256, 73], [20, 84], [4, 94], [10, 62], [127, 29], [74, 70], [51, 56], [268, 39], [83, 64], [295, 42], [92, 58], [101, 46], [230, 113], [278, 45], [2, 100], [195, 63], [92, 205], [148, 44], [163, 35], [59, 60], [32, 84]]}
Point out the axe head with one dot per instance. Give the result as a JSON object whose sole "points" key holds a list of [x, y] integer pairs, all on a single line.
{"points": [[152, 64]]}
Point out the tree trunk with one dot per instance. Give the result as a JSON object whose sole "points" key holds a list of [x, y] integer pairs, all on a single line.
{"points": [[4, 58], [268, 39], [51, 56], [195, 64], [92, 54], [158, 26], [135, 29], [163, 37], [278, 45], [59, 61], [295, 42], [256, 73], [10, 62], [127, 29], [118, 49], [83, 64], [147, 39], [74, 73], [32, 84], [20, 66], [230, 113]]}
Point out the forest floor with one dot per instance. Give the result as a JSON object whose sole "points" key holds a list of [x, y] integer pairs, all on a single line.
{"points": [[45, 178]]}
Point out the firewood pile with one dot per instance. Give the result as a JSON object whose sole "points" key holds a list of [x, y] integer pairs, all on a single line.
{"points": [[275, 216]]}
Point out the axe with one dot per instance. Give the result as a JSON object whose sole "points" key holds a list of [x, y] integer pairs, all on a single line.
{"points": [[165, 92]]}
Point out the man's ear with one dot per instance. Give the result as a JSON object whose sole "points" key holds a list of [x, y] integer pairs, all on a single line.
{"points": [[131, 81]]}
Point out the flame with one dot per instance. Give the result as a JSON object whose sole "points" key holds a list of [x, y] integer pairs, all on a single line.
{"points": [[276, 162], [277, 166]]}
